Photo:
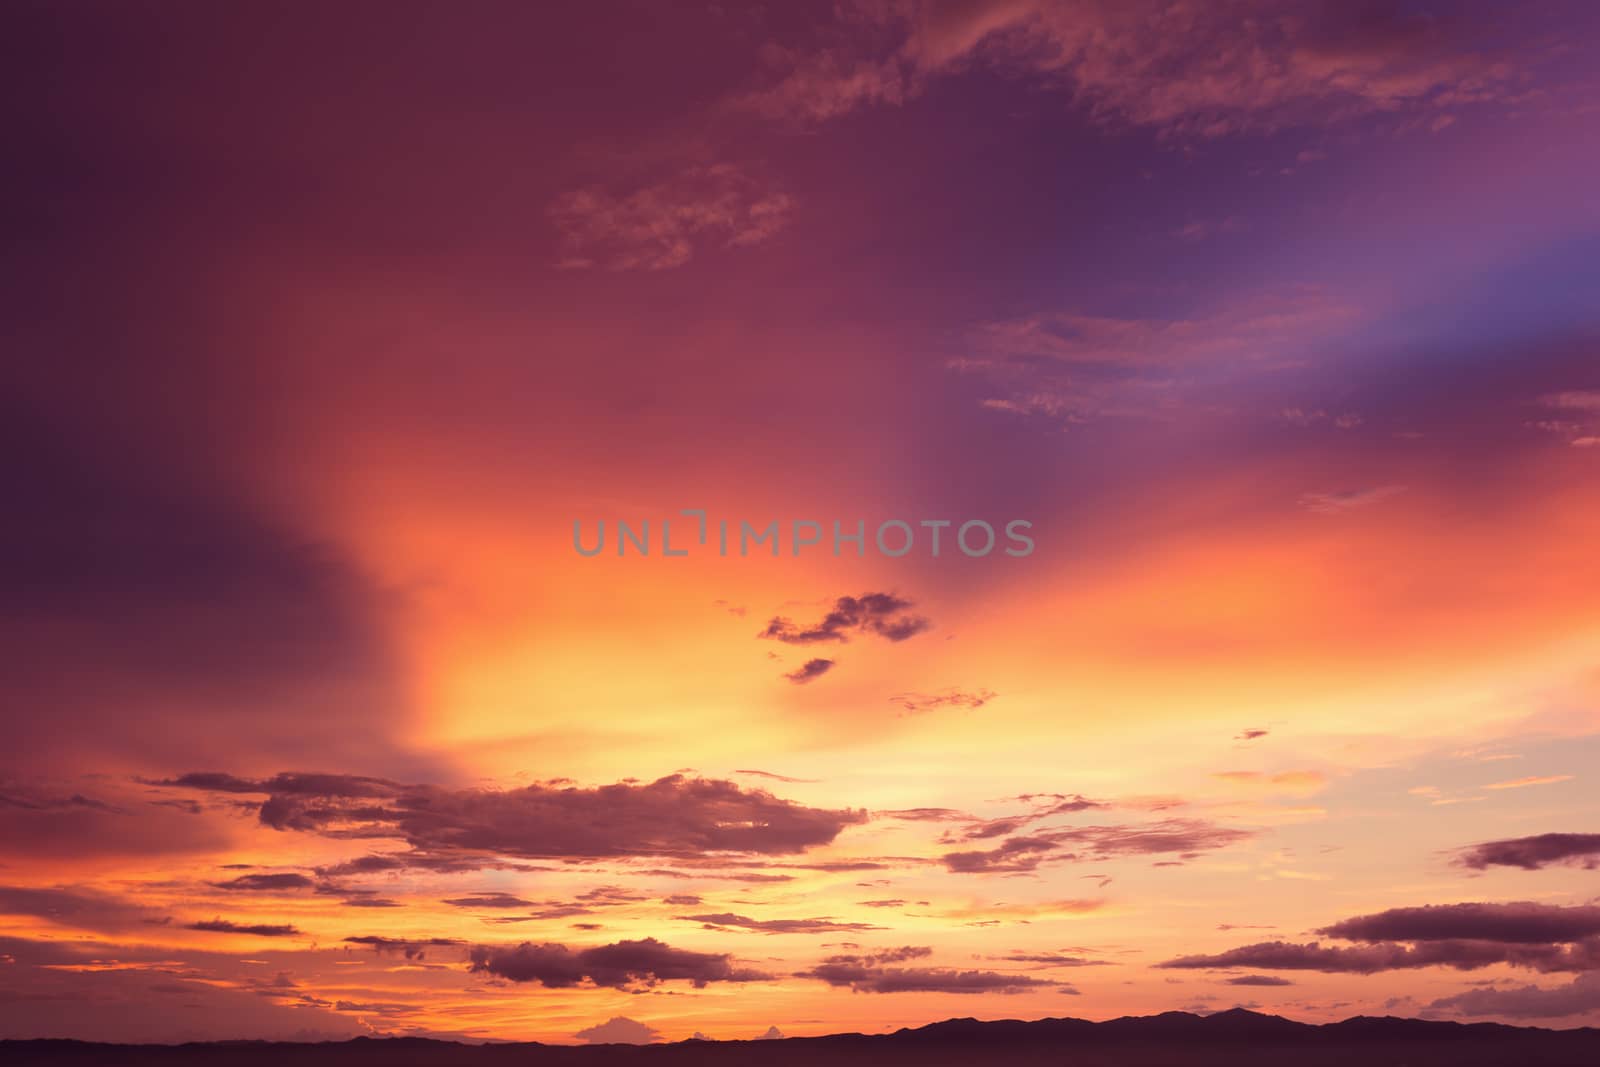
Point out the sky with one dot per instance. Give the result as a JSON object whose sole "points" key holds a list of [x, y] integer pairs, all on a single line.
{"points": [[332, 333]]}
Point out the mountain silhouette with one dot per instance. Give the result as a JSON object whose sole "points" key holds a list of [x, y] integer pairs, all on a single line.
{"points": [[1236, 1038]]}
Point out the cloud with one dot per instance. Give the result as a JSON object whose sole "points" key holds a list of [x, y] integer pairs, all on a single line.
{"points": [[223, 926], [776, 926], [659, 226], [1190, 70], [410, 948], [489, 900], [1336, 503], [1184, 836], [881, 614], [1531, 780], [618, 1030], [1522, 923], [917, 703], [811, 670], [672, 816], [1259, 980], [1533, 853], [866, 974], [1542, 937], [1250, 734], [772, 1033], [265, 883], [1579, 997], [77, 906], [618, 966]]}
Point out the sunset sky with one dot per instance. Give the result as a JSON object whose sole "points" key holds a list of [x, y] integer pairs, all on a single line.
{"points": [[326, 322]]}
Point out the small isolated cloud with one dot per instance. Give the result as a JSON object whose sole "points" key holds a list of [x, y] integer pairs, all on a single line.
{"points": [[489, 900], [917, 703], [618, 1030], [265, 883], [1201, 229], [1530, 780], [1259, 980], [865, 974], [660, 226], [223, 926], [1250, 734], [881, 614], [1337, 503], [1533, 853], [772, 1034], [623, 965], [810, 671], [724, 920]]}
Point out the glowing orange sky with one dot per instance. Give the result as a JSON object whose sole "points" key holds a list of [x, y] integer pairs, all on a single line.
{"points": [[1282, 337]]}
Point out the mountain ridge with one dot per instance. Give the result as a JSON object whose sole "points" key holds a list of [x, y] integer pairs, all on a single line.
{"points": [[1236, 1037]]}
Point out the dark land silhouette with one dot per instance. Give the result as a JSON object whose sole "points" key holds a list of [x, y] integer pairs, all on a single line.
{"points": [[1236, 1038]]}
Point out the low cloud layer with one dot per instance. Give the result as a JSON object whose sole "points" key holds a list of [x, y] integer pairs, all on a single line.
{"points": [[672, 816], [625, 964]]}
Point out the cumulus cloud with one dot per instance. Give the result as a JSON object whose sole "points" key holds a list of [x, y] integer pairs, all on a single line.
{"points": [[659, 226], [1532, 853], [672, 816], [881, 614], [622, 965], [1579, 997], [618, 1030]]}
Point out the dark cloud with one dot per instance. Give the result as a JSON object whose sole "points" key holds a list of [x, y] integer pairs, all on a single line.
{"points": [[672, 816], [265, 882], [77, 906], [411, 949], [1539, 937], [1053, 959], [881, 614], [1517, 923], [223, 926], [1260, 980], [617, 966], [1579, 997], [777, 926], [868, 973], [810, 671], [1185, 836], [489, 900], [1250, 735], [1532, 853]]}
